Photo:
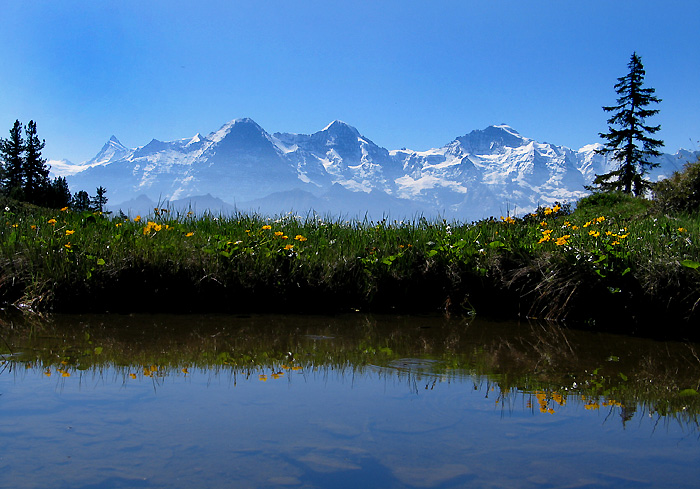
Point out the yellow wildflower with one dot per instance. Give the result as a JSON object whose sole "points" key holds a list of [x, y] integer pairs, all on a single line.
{"points": [[289, 247], [547, 211], [574, 227], [64, 209], [68, 245], [33, 226], [595, 234], [556, 208], [52, 222], [267, 226], [543, 224], [600, 219], [587, 224], [119, 224], [682, 230], [137, 218], [279, 233], [299, 237], [189, 234], [562, 240], [69, 232]]}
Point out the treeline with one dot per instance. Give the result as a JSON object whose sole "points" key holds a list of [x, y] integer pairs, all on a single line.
{"points": [[24, 174]]}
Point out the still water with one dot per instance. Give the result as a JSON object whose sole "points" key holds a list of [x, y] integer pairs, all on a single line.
{"points": [[341, 402]]}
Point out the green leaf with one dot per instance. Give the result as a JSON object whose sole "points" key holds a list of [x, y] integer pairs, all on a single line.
{"points": [[688, 393], [623, 376], [100, 262], [690, 264], [98, 350]]}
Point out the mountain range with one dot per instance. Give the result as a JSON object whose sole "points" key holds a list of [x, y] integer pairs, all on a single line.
{"points": [[338, 171]]}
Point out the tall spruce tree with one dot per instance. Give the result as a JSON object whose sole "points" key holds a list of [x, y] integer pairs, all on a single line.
{"points": [[36, 172], [11, 154], [627, 131]]}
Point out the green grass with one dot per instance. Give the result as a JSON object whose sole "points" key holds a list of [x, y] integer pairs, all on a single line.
{"points": [[611, 261]]}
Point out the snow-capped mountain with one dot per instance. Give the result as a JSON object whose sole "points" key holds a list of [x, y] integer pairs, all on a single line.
{"points": [[338, 170]]}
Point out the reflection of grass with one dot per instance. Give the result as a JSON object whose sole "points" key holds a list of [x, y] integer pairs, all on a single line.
{"points": [[550, 365], [590, 264]]}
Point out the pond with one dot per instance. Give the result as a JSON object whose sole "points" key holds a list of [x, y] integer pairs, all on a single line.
{"points": [[348, 401]]}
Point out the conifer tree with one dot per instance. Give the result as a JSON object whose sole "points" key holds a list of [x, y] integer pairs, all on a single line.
{"points": [[36, 172], [80, 201], [58, 194], [11, 154], [99, 201], [627, 130]]}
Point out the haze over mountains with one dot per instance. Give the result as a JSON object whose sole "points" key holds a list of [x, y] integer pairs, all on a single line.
{"points": [[338, 171]]}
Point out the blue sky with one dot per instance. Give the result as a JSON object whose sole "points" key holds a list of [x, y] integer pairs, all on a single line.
{"points": [[406, 73]]}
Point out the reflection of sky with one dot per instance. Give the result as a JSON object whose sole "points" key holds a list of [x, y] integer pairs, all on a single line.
{"points": [[325, 428]]}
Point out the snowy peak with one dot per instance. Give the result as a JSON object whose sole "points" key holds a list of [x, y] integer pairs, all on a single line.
{"points": [[492, 139], [243, 136], [341, 129], [112, 150]]}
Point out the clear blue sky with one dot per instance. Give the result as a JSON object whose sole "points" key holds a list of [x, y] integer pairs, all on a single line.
{"points": [[406, 73]]}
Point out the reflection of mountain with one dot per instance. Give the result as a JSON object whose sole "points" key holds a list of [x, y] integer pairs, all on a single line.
{"points": [[337, 170]]}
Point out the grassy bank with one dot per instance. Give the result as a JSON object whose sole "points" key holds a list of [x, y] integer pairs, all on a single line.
{"points": [[611, 261]]}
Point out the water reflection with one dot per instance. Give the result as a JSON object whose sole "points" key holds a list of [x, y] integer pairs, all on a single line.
{"points": [[351, 401]]}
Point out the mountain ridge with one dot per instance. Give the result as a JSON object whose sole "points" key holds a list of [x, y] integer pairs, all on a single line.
{"points": [[485, 172]]}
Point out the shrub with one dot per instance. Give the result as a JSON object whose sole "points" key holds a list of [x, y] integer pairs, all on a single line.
{"points": [[681, 191]]}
